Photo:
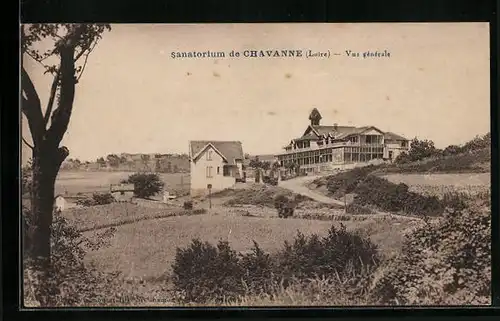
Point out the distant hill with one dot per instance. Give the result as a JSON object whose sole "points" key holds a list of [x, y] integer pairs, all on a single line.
{"points": [[161, 163]]}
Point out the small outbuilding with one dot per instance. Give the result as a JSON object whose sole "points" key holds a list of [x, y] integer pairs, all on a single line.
{"points": [[59, 202]]}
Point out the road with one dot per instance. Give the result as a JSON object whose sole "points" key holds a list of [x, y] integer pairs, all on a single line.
{"points": [[298, 185]]}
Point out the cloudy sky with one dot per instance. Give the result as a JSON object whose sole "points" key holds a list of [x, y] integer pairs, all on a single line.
{"points": [[133, 97]]}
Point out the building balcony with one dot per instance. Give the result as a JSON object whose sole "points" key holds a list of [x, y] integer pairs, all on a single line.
{"points": [[333, 145]]}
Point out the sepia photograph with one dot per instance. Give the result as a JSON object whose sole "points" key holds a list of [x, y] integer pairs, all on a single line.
{"points": [[255, 165]]}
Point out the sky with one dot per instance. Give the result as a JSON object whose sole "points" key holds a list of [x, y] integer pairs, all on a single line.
{"points": [[133, 97]]}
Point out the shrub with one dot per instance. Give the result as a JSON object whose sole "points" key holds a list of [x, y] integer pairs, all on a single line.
{"points": [[339, 252], [419, 149], [145, 184], [346, 182], [206, 273], [463, 162], [455, 200], [444, 263], [270, 180], [284, 206], [188, 205], [259, 271], [392, 197], [68, 281], [203, 272], [96, 199], [358, 209]]}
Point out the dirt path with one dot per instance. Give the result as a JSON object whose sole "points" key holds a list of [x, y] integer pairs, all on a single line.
{"points": [[298, 185]]}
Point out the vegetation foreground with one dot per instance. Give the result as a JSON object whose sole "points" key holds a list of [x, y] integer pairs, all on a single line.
{"points": [[229, 256], [443, 261]]}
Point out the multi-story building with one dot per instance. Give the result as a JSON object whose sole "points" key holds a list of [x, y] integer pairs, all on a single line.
{"points": [[340, 147], [218, 164]]}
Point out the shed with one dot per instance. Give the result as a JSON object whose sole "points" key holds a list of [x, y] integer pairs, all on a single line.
{"points": [[59, 202]]}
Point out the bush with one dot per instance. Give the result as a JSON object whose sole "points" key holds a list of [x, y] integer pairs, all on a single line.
{"points": [[419, 149], [284, 206], [205, 273], [270, 180], [69, 282], [260, 195], [188, 205], [339, 252], [444, 263], [463, 162], [259, 271], [346, 182], [145, 184], [392, 197], [96, 199]]}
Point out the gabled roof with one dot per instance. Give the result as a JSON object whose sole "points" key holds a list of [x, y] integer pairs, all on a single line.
{"points": [[229, 150], [306, 137], [340, 132], [392, 136]]}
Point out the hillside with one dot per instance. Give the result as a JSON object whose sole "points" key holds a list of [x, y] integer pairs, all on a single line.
{"points": [[162, 163], [407, 186]]}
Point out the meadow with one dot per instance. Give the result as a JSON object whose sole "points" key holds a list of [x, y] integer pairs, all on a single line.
{"points": [[146, 249], [74, 182]]}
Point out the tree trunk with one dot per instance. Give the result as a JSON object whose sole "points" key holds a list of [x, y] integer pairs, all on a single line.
{"points": [[47, 160]]}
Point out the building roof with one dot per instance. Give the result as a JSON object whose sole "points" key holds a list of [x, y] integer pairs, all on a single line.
{"points": [[392, 136], [340, 132], [306, 137], [230, 150]]}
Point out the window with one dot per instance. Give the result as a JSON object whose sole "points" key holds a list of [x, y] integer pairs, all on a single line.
{"points": [[209, 171], [218, 170], [209, 155], [122, 193]]}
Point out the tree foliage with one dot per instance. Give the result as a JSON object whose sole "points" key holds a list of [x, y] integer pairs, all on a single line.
{"points": [[419, 150], [145, 184], [445, 262]]}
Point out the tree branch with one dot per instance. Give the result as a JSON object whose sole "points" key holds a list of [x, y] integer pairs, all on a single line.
{"points": [[31, 107], [52, 96], [86, 58], [27, 144]]}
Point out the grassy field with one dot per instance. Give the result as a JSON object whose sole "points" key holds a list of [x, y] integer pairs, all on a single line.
{"points": [[146, 249], [74, 182]]}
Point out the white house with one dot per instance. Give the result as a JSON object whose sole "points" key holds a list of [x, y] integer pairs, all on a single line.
{"points": [[215, 163]]}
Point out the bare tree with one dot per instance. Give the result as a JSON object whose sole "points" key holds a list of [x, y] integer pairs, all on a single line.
{"points": [[71, 47]]}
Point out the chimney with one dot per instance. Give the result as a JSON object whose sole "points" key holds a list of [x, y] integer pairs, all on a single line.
{"points": [[335, 126]]}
